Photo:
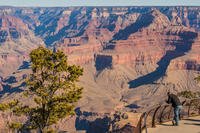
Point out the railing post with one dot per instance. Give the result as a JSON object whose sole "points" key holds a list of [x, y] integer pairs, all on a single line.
{"points": [[154, 117], [161, 115], [139, 126], [155, 110], [169, 113], [189, 108], [199, 111], [145, 122], [181, 115]]}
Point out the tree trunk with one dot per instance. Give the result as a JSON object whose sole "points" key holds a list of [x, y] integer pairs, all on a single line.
{"points": [[40, 130]]}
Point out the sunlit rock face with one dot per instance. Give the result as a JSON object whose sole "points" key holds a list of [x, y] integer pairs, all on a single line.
{"points": [[16, 41], [130, 55], [103, 36], [148, 40], [11, 28], [127, 36], [190, 61]]}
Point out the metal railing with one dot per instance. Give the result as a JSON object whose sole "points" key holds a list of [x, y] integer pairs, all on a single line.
{"points": [[164, 113]]}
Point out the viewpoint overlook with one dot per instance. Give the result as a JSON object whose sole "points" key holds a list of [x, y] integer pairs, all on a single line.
{"points": [[131, 56]]}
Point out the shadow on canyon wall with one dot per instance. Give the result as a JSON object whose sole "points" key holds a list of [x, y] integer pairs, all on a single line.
{"points": [[25, 65], [143, 21], [9, 90], [103, 61], [180, 50], [99, 125]]}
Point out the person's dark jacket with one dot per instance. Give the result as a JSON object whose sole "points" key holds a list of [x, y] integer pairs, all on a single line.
{"points": [[174, 100]]}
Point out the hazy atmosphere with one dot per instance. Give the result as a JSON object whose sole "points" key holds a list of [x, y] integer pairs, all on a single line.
{"points": [[99, 66], [53, 3]]}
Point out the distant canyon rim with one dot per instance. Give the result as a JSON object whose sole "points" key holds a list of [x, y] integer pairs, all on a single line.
{"points": [[131, 55]]}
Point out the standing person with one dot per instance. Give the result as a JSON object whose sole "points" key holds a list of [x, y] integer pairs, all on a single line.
{"points": [[176, 104]]}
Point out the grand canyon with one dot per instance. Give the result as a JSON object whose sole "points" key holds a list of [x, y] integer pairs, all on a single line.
{"points": [[132, 56]]}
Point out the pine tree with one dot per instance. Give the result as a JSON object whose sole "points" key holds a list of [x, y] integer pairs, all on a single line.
{"points": [[53, 84]]}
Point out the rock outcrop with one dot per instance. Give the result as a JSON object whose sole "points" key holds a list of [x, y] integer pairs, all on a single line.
{"points": [[147, 44], [16, 41], [190, 61], [149, 49]]}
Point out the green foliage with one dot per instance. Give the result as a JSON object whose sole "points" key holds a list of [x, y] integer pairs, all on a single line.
{"points": [[52, 84], [189, 94], [49, 131], [20, 110], [6, 106], [197, 78], [193, 96], [15, 125], [3, 107]]}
